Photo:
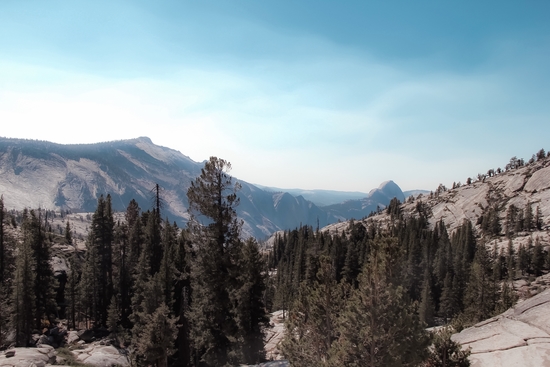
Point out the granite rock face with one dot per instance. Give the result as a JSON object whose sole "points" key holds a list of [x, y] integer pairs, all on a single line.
{"points": [[518, 337], [39, 357], [274, 336], [101, 355]]}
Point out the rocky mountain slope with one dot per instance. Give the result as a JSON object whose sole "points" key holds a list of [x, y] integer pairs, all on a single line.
{"points": [[518, 337], [522, 186], [521, 335], [72, 177]]}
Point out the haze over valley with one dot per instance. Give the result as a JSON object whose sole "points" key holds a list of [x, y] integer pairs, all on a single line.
{"points": [[274, 184]]}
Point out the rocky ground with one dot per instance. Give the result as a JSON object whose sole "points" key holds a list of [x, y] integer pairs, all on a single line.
{"points": [[518, 337], [82, 347], [79, 347], [39, 357], [274, 336]]}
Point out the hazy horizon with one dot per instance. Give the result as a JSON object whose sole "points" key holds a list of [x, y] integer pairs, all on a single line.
{"points": [[310, 95]]}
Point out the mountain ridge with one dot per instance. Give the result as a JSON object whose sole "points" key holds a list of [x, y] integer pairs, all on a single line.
{"points": [[72, 176]]}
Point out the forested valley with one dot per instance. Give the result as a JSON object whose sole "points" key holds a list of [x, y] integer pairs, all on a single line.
{"points": [[201, 295]]}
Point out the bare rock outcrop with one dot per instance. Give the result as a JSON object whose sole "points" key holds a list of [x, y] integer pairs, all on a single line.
{"points": [[274, 335], [518, 337], [39, 357], [96, 354]]}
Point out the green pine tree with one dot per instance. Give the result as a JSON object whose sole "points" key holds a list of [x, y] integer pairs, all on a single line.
{"points": [[312, 326], [528, 220], [24, 298], [249, 308], [44, 282], [426, 309], [7, 269], [380, 326], [213, 196], [72, 290], [444, 352], [537, 258], [156, 339], [481, 293], [100, 252]]}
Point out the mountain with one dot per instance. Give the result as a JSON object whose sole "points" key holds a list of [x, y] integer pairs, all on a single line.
{"points": [[320, 197], [72, 177], [376, 199], [520, 187]]}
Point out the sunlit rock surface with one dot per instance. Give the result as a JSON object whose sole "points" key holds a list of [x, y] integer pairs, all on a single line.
{"points": [[518, 337]]}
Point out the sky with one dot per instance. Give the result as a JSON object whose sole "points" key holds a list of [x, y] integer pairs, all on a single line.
{"points": [[336, 95]]}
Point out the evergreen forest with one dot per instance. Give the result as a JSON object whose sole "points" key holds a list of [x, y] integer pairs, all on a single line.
{"points": [[201, 295]]}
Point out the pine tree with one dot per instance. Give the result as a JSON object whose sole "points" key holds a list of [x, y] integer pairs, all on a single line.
{"points": [[122, 273], [100, 249], [7, 263], [129, 240], [538, 218], [72, 290], [249, 309], [153, 242], [149, 307], [134, 233], [444, 352], [510, 260], [3, 249], [214, 196], [312, 326], [449, 304], [156, 340], [24, 299], [68, 234], [511, 219], [507, 297], [182, 296], [426, 309], [537, 258], [528, 218], [113, 316], [44, 282], [379, 326], [522, 259], [481, 293], [88, 287], [519, 222]]}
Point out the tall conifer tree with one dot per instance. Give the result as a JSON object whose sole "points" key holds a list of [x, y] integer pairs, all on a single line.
{"points": [[24, 286], [213, 196]]}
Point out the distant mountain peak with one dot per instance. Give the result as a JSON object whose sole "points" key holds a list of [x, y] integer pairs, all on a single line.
{"points": [[385, 183], [145, 139], [389, 189]]}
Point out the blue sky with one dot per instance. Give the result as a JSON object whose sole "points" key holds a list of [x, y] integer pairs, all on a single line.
{"points": [[295, 94]]}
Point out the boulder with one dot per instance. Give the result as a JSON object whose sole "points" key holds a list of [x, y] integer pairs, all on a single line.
{"points": [[86, 335], [72, 337], [57, 336], [59, 266], [10, 353], [43, 340], [538, 181], [101, 355], [518, 337]]}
